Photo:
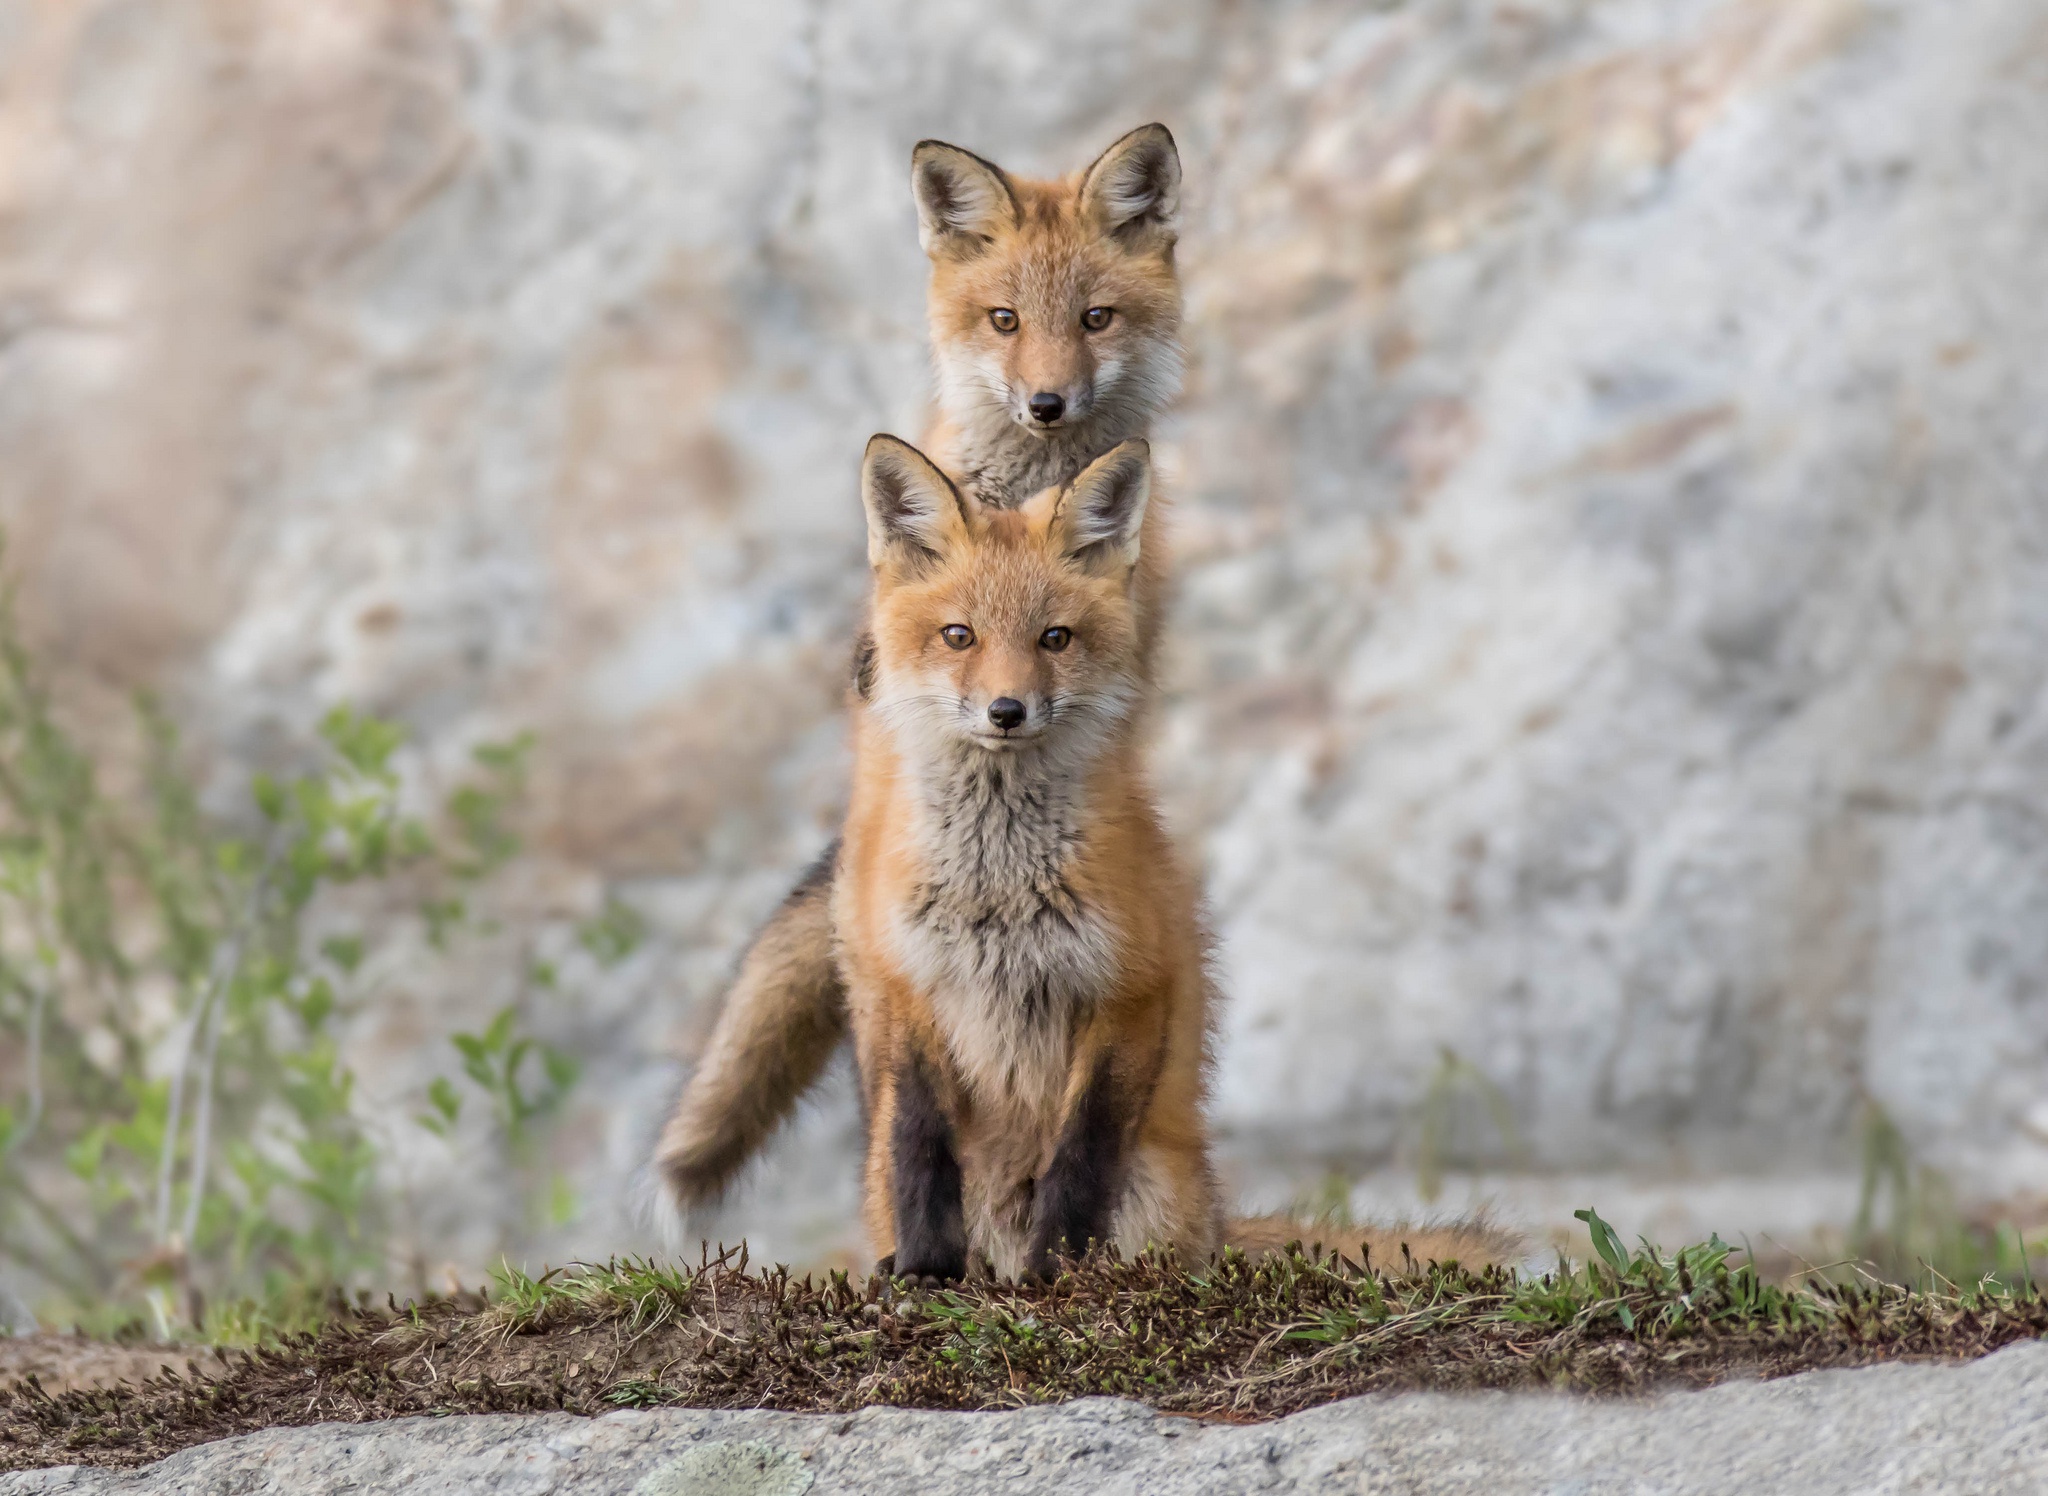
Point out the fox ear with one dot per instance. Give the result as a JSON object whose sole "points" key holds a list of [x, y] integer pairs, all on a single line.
{"points": [[1135, 184], [962, 200], [1102, 513], [914, 511]]}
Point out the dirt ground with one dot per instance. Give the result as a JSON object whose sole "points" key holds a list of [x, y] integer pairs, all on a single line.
{"points": [[1235, 1345], [68, 1363]]}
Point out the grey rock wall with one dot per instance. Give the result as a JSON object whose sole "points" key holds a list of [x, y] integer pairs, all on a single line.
{"points": [[1609, 497]]}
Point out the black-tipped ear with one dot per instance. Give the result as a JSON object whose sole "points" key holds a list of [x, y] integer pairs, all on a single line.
{"points": [[914, 511], [1135, 184], [1104, 510], [962, 200]]}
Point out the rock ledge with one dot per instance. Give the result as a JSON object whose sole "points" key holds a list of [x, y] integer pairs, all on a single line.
{"points": [[1975, 1428]]}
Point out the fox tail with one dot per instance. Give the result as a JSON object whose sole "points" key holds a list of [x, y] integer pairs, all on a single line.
{"points": [[1474, 1243], [782, 1019]]}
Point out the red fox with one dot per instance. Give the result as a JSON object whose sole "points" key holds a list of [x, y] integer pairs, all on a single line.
{"points": [[1055, 320], [1022, 949]]}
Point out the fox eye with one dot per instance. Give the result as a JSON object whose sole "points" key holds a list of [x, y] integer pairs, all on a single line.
{"points": [[1097, 317], [1056, 638], [1004, 319], [957, 635]]}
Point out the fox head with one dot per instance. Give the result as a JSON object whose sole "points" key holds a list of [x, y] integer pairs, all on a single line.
{"points": [[1054, 304], [1004, 630]]}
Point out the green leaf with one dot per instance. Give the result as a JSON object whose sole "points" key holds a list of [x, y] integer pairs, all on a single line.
{"points": [[345, 951], [561, 1208], [447, 1104], [442, 916], [479, 817], [562, 1069], [318, 1003], [270, 797], [499, 1034], [507, 758], [365, 743], [1605, 1241], [87, 1156], [614, 934]]}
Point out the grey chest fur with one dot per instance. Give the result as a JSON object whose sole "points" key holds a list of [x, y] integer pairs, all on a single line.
{"points": [[1010, 953], [1005, 467]]}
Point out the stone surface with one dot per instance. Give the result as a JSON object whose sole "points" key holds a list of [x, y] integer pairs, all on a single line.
{"points": [[1615, 600], [1937, 1430]]}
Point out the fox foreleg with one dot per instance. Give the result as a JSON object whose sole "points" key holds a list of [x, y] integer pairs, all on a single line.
{"points": [[1075, 1198], [931, 1227]]}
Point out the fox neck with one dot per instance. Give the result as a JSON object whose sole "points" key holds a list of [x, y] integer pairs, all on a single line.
{"points": [[998, 927], [992, 824], [1003, 464]]}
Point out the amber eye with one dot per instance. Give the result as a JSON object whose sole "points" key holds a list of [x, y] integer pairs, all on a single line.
{"points": [[957, 635], [1004, 319], [1097, 317], [1056, 639]]}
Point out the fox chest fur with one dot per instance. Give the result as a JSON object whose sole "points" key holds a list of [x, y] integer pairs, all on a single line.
{"points": [[999, 929]]}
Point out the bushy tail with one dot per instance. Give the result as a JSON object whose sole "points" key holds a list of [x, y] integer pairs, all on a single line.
{"points": [[1473, 1244], [781, 1021]]}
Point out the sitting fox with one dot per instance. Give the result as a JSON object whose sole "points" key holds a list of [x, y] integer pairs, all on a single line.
{"points": [[1055, 320], [1022, 949]]}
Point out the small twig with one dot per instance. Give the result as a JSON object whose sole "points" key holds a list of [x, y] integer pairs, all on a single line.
{"points": [[202, 1125], [226, 967], [32, 1118], [1826, 1267], [174, 1116], [37, 1262], [52, 1218]]}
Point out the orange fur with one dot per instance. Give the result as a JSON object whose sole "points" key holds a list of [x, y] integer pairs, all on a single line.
{"points": [[1067, 841]]}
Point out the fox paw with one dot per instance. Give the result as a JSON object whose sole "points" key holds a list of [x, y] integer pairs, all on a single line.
{"points": [[920, 1274]]}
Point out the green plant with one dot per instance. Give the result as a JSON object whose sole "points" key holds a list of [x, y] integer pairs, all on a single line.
{"points": [[1909, 1227], [523, 1080], [496, 1060], [1455, 1084], [179, 1128]]}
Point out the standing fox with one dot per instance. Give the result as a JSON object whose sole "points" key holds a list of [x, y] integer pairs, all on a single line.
{"points": [[1022, 950], [1055, 320]]}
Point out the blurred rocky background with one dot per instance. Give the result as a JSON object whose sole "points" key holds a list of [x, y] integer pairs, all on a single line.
{"points": [[1606, 685]]}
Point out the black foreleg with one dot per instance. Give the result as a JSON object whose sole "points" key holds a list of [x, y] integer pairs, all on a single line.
{"points": [[931, 1231], [1075, 1200]]}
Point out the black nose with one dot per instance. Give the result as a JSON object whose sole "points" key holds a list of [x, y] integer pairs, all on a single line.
{"points": [[1047, 408], [1006, 712]]}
